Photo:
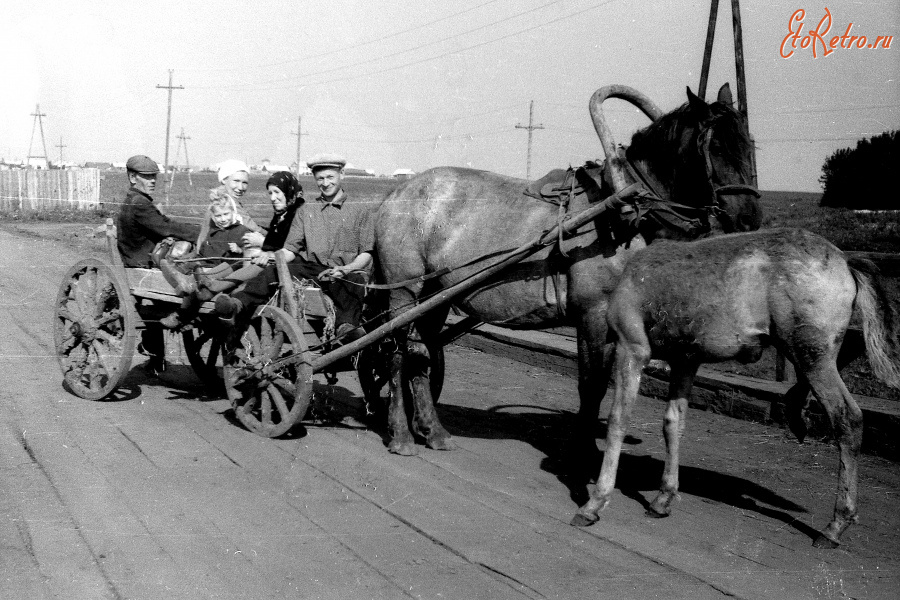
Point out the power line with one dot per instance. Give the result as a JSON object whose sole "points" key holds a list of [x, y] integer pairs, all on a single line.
{"points": [[400, 52], [343, 49], [299, 133], [296, 80], [472, 47], [427, 44]]}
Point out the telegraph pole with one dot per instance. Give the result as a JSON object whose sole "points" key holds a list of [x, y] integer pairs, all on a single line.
{"points": [[60, 146], [169, 87], [38, 123], [299, 133], [531, 127], [182, 140]]}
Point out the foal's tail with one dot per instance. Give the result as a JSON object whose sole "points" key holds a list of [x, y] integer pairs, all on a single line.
{"points": [[881, 323]]}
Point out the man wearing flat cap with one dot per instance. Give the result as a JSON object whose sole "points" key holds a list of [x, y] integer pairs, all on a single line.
{"points": [[140, 227], [331, 239]]}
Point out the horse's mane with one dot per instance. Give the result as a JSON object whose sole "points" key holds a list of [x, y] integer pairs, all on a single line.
{"points": [[662, 143]]}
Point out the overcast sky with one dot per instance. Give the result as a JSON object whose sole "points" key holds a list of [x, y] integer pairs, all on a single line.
{"points": [[423, 83]]}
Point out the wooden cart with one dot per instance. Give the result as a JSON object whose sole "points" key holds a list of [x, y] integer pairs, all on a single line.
{"points": [[267, 368]]}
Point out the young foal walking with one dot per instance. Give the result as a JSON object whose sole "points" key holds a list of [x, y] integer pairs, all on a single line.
{"points": [[728, 297]]}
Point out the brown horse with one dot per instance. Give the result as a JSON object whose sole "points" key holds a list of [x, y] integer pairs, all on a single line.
{"points": [[454, 220], [726, 298]]}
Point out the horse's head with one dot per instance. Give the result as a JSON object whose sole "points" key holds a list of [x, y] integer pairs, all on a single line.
{"points": [[700, 155]]}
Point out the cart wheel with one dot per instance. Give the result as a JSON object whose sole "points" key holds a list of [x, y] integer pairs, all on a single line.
{"points": [[374, 371], [204, 349], [268, 374], [93, 329]]}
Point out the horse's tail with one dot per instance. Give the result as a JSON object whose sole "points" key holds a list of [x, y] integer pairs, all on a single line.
{"points": [[881, 323]]}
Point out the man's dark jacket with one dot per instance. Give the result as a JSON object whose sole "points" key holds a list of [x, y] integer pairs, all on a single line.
{"points": [[142, 226]]}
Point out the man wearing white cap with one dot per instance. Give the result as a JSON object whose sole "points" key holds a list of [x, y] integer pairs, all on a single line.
{"points": [[332, 239]]}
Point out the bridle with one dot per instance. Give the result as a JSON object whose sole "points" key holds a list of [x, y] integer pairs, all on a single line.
{"points": [[691, 218], [717, 204]]}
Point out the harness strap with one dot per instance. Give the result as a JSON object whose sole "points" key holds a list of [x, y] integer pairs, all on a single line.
{"points": [[408, 282], [564, 202]]}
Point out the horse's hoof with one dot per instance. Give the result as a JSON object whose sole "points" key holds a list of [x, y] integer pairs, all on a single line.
{"points": [[403, 448], [580, 520], [825, 543], [658, 512], [441, 443]]}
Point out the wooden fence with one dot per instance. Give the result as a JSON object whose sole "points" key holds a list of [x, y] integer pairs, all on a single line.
{"points": [[38, 189]]}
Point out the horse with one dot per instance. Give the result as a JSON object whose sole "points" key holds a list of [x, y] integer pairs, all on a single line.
{"points": [[727, 298], [440, 227]]}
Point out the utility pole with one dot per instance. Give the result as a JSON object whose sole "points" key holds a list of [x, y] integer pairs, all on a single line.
{"points": [[38, 123], [60, 146], [531, 127], [182, 140], [169, 87], [299, 133]]}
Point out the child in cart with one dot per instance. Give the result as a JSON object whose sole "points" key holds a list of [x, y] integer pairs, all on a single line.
{"points": [[220, 247]]}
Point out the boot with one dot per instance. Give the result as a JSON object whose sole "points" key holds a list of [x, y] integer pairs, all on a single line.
{"points": [[228, 309], [183, 284], [209, 286]]}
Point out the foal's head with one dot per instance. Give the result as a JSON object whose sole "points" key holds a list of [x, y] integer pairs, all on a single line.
{"points": [[701, 155]]}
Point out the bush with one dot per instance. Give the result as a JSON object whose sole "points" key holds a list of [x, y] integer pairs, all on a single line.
{"points": [[861, 178]]}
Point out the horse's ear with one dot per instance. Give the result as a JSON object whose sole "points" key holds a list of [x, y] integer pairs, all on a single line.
{"points": [[725, 95], [697, 105]]}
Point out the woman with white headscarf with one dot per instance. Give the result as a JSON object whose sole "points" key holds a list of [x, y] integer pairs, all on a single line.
{"points": [[234, 179], [234, 176]]}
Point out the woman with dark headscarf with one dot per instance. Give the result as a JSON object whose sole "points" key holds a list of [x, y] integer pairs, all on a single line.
{"points": [[286, 195]]}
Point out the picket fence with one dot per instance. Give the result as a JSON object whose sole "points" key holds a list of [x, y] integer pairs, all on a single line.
{"points": [[38, 189]]}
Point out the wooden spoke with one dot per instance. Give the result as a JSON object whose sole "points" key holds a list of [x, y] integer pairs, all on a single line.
{"points": [[269, 395], [266, 408], [203, 346], [94, 329], [283, 411]]}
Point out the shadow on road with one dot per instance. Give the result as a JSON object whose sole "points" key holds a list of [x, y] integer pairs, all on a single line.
{"points": [[552, 432]]}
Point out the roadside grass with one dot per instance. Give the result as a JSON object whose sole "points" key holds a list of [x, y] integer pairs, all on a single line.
{"points": [[846, 229]]}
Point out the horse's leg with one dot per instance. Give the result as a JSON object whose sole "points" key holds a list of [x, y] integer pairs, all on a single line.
{"points": [[401, 439], [630, 360], [680, 384], [846, 422], [587, 302], [595, 364], [797, 398], [425, 421]]}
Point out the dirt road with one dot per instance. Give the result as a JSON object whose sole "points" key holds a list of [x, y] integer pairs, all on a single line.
{"points": [[159, 494]]}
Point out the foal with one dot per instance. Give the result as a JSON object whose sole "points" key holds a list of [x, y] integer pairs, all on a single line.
{"points": [[728, 297]]}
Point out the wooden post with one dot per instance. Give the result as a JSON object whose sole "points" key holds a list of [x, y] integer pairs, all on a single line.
{"points": [[741, 79], [707, 52], [286, 283]]}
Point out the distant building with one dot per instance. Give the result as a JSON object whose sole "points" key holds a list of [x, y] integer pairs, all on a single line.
{"points": [[355, 172], [103, 166], [403, 174]]}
